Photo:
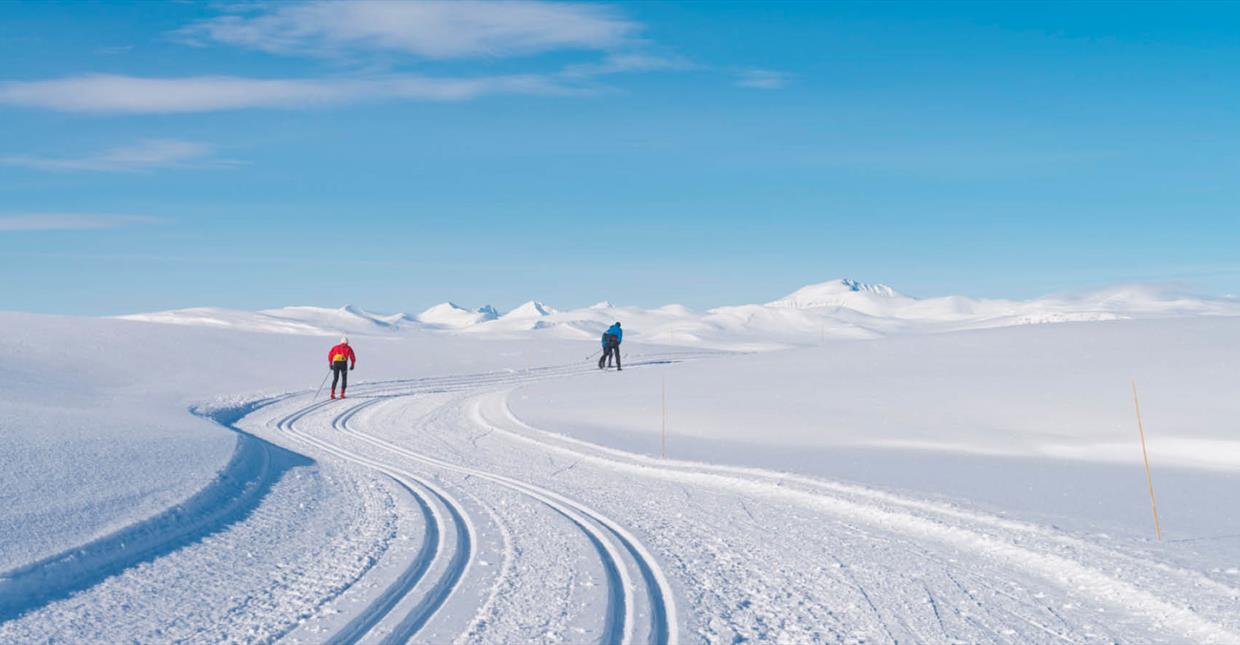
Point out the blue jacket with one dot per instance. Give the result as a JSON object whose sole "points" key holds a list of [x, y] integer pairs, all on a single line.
{"points": [[614, 330]]}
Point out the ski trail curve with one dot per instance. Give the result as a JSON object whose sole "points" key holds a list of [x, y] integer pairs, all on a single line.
{"points": [[253, 469], [658, 591], [920, 523], [939, 511], [381, 606], [375, 612], [400, 589], [617, 624]]}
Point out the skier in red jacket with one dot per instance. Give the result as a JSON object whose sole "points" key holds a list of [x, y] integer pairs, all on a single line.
{"points": [[338, 360]]}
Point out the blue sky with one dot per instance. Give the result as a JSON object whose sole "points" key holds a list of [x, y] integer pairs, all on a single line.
{"points": [[161, 155]]}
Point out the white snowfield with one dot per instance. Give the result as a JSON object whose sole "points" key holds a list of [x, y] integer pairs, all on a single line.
{"points": [[945, 480]]}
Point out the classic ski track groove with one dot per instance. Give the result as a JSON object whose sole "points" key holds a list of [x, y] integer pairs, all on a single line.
{"points": [[913, 518], [601, 531], [618, 623], [917, 520], [83, 566], [381, 606], [1032, 550], [391, 597], [941, 512]]}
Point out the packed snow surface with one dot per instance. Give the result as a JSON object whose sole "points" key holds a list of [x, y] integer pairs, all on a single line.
{"points": [[933, 470]]}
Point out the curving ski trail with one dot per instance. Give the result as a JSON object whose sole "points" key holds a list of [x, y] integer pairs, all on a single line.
{"points": [[753, 554], [618, 622], [435, 597], [627, 564], [1023, 548]]}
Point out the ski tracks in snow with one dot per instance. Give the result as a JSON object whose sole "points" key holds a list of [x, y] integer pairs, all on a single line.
{"points": [[501, 532], [1040, 584], [757, 554], [626, 564], [434, 503]]}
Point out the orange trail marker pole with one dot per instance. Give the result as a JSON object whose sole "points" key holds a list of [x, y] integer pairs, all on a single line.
{"points": [[1146, 456]]}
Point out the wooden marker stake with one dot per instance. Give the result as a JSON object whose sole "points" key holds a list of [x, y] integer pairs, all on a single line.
{"points": [[1146, 456]]}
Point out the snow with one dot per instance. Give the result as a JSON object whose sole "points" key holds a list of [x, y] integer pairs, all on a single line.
{"points": [[956, 391], [531, 309], [453, 316], [885, 468], [318, 321], [97, 432], [836, 309], [839, 293]]}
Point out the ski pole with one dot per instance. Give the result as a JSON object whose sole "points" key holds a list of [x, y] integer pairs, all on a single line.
{"points": [[320, 390]]}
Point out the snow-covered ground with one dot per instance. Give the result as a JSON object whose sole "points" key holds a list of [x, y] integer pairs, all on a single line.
{"points": [[894, 469], [1033, 420]]}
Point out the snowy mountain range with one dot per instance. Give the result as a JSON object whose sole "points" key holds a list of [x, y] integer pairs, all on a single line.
{"points": [[835, 309]]}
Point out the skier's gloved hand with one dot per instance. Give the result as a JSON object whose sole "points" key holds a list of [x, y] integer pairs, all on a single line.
{"points": [[352, 367]]}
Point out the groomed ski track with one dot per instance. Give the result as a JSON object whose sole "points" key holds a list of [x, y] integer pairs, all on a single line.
{"points": [[607, 538], [468, 525]]}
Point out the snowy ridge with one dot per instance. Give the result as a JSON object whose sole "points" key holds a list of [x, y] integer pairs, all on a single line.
{"points": [[452, 315], [837, 309], [531, 309], [319, 321], [837, 293]]}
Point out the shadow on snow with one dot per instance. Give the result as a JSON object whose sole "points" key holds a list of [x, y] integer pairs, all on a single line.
{"points": [[254, 468]]}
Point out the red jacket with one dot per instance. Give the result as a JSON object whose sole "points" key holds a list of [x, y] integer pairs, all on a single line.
{"points": [[341, 352]]}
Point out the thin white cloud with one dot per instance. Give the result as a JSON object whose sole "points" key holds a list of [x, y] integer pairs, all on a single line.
{"points": [[425, 28], [117, 94], [142, 156], [367, 32], [628, 63], [10, 222], [763, 79]]}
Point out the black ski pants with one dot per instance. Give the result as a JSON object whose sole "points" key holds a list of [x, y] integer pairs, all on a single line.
{"points": [[340, 372], [613, 350]]}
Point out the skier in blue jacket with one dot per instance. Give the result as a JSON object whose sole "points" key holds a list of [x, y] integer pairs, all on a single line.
{"points": [[611, 346]]}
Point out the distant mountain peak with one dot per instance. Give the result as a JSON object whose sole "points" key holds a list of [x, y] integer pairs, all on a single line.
{"points": [[450, 314], [443, 307], [863, 287], [531, 309], [835, 293]]}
